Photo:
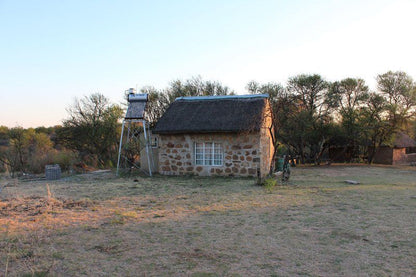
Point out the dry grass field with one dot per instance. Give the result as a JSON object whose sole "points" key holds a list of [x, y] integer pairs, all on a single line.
{"points": [[315, 225]]}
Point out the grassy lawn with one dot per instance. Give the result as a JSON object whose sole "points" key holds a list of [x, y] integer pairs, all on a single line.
{"points": [[316, 225]]}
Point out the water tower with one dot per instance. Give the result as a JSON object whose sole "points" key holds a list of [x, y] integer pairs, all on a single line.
{"points": [[135, 135]]}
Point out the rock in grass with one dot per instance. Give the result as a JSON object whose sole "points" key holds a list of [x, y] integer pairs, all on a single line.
{"points": [[352, 182]]}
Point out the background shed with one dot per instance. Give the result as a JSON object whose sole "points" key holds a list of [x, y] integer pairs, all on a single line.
{"points": [[402, 151]]}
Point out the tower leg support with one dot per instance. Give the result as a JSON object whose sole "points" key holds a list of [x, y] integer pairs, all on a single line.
{"points": [[133, 141], [119, 147]]}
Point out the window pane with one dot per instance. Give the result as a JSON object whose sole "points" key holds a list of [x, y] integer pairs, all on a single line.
{"points": [[208, 147], [208, 153], [199, 146], [208, 159], [199, 156]]}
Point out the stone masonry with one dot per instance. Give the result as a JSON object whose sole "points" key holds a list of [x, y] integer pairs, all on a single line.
{"points": [[244, 154]]}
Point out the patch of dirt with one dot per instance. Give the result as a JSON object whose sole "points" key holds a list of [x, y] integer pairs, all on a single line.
{"points": [[35, 205]]}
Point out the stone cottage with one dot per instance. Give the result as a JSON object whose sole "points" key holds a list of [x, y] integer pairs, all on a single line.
{"points": [[216, 135]]}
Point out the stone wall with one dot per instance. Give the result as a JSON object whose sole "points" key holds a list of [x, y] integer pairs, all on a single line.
{"points": [[243, 155], [266, 149], [399, 156]]}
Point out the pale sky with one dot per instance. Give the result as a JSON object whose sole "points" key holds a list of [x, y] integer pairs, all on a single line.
{"points": [[54, 51]]}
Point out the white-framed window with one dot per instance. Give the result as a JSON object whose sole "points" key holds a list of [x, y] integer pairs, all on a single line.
{"points": [[208, 153]]}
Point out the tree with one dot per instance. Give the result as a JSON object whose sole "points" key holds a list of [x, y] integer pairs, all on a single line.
{"points": [[376, 129], [413, 129], [195, 87], [92, 128], [346, 97], [39, 150], [400, 91], [25, 150], [29, 150], [158, 102], [310, 89], [14, 155], [310, 118]]}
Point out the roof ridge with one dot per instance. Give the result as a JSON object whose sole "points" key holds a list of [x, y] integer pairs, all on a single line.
{"points": [[222, 97]]}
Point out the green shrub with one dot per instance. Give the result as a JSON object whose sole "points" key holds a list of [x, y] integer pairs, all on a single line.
{"points": [[65, 159], [37, 161], [270, 183]]}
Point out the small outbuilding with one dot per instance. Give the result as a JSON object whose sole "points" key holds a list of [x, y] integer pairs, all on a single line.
{"points": [[216, 135], [402, 151]]}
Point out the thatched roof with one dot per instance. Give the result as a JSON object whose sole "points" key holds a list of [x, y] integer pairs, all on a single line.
{"points": [[213, 114], [402, 140]]}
